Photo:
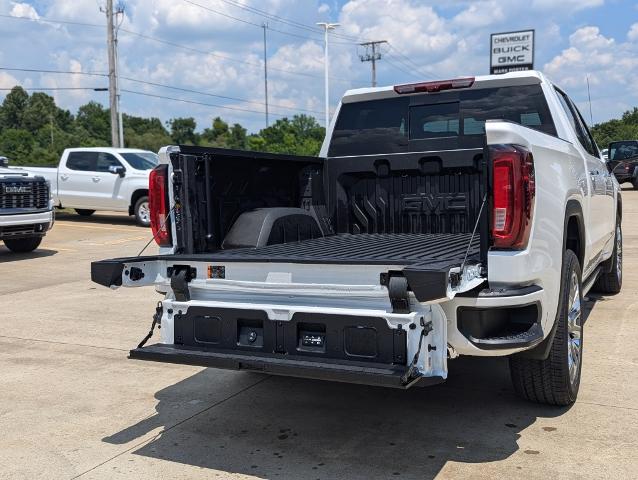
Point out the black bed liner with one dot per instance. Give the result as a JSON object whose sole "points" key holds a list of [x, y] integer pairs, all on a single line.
{"points": [[389, 248]]}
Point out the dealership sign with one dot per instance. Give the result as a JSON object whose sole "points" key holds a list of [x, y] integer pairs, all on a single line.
{"points": [[512, 51]]}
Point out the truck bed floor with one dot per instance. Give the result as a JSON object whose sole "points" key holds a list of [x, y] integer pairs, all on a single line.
{"points": [[390, 248]]}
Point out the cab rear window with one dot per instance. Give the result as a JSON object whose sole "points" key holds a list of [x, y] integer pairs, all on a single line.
{"points": [[417, 122]]}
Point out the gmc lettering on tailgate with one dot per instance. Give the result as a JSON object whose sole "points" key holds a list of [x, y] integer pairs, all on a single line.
{"points": [[434, 203]]}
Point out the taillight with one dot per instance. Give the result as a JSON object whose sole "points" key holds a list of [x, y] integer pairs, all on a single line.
{"points": [[513, 193], [158, 205], [437, 86]]}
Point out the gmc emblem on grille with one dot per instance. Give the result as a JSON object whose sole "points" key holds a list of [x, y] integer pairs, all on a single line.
{"points": [[434, 203], [21, 189]]}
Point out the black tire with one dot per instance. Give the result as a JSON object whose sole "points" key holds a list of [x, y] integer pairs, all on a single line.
{"points": [[141, 212], [84, 212], [23, 245], [610, 280], [551, 381]]}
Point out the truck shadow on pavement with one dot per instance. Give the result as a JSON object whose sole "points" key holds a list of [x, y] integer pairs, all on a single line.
{"points": [[295, 428], [8, 256], [97, 218], [271, 427]]}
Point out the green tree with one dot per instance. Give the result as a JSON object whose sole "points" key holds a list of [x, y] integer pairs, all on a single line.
{"points": [[96, 120], [16, 144], [301, 136], [183, 131], [13, 106]]}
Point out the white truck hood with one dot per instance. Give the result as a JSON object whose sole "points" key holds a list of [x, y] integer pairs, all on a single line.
{"points": [[12, 172]]}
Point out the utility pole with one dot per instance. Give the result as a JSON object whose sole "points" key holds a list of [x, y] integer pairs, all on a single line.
{"points": [[120, 123], [265, 26], [327, 27], [110, 38], [373, 53]]}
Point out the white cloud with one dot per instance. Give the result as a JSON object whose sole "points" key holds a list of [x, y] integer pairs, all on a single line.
{"points": [[323, 8], [480, 14], [570, 5], [611, 67], [633, 32], [8, 81], [24, 10]]}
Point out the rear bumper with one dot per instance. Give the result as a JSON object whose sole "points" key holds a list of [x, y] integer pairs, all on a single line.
{"points": [[339, 371]]}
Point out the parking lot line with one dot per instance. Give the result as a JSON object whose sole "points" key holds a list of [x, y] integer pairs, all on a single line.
{"points": [[91, 227]]}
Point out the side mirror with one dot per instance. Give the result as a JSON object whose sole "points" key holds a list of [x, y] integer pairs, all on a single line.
{"points": [[117, 170], [4, 162]]}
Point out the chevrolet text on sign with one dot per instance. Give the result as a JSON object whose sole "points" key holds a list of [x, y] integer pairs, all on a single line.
{"points": [[512, 51]]}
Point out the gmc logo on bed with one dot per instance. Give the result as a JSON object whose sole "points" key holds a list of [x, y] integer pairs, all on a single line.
{"points": [[434, 203]]}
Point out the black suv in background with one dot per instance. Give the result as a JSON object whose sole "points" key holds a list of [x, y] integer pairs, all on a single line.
{"points": [[623, 161]]}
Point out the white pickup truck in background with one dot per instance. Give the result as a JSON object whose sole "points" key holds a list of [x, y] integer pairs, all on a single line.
{"points": [[102, 178], [26, 208]]}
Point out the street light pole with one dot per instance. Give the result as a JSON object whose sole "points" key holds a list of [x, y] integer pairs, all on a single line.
{"points": [[327, 27]]}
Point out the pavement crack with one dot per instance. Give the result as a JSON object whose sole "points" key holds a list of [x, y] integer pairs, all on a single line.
{"points": [[64, 343], [166, 430]]}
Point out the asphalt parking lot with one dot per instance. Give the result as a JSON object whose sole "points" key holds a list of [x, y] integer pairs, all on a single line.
{"points": [[72, 405]]}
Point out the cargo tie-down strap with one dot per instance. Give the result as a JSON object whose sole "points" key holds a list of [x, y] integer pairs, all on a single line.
{"points": [[157, 319], [412, 372]]}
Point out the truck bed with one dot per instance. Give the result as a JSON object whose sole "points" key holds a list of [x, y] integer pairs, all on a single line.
{"points": [[388, 248]]}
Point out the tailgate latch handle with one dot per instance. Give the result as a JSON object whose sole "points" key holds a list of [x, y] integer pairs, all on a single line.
{"points": [[179, 282]]}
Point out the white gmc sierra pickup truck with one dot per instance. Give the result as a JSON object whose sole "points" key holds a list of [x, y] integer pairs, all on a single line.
{"points": [[102, 178], [26, 208], [460, 217]]}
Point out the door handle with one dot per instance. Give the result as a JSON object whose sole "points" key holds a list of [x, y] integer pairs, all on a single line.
{"points": [[95, 179], [594, 172], [64, 177]]}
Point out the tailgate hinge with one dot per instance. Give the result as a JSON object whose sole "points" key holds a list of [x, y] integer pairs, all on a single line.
{"points": [[180, 275], [398, 292]]}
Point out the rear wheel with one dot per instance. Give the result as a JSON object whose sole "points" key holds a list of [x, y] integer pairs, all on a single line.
{"points": [[84, 212], [556, 380], [142, 212], [610, 280], [23, 245]]}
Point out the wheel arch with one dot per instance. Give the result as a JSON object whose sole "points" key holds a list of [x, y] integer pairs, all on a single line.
{"points": [[574, 230], [137, 194], [574, 240]]}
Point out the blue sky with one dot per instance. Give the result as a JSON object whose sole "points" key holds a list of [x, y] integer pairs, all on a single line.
{"points": [[207, 57]]}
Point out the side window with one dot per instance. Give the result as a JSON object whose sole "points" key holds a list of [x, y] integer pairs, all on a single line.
{"points": [[594, 148], [81, 161], [581, 133], [106, 160]]}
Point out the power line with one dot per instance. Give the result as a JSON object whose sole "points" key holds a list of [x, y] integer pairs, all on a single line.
{"points": [[96, 89], [217, 12], [290, 22], [184, 47], [183, 100], [399, 67], [69, 72], [407, 61], [162, 85], [199, 92]]}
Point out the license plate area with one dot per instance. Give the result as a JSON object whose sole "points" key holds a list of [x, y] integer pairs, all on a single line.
{"points": [[346, 337]]}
